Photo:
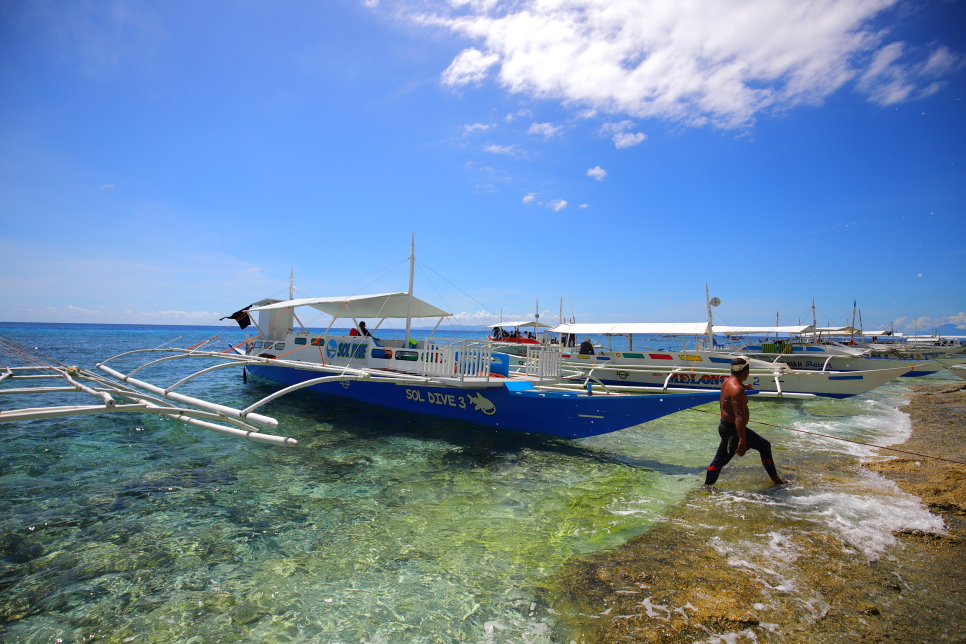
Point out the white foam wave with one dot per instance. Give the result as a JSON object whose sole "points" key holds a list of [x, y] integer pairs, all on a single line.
{"points": [[866, 521], [881, 426]]}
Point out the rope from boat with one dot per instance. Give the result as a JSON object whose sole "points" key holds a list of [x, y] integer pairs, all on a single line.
{"points": [[846, 440]]}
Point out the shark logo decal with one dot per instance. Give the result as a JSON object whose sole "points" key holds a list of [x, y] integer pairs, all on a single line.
{"points": [[482, 404]]}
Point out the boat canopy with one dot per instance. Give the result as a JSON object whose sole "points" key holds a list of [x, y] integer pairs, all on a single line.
{"points": [[625, 328], [517, 324], [382, 305], [671, 328], [843, 330], [749, 330]]}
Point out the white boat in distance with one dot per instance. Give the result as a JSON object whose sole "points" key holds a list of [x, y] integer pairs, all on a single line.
{"points": [[703, 369]]}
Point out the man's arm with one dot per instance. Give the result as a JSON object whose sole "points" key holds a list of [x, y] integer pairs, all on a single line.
{"points": [[739, 403]]}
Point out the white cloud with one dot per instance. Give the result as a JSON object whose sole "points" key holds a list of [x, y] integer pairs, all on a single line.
{"points": [[76, 311], [469, 67], [501, 149], [609, 128], [467, 129], [718, 62], [888, 81], [597, 172], [107, 186], [925, 323], [628, 139], [583, 205], [529, 197], [546, 130], [557, 205]]}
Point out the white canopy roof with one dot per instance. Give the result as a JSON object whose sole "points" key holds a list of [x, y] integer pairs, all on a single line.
{"points": [[515, 324], [382, 305], [747, 330], [623, 328], [670, 328], [834, 329]]}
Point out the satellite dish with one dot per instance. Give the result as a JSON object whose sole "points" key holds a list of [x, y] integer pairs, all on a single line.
{"points": [[715, 301]]}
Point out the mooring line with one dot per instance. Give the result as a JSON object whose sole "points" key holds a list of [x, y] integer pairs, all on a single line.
{"points": [[847, 440]]}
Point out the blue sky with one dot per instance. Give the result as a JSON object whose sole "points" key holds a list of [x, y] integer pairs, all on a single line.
{"points": [[170, 162]]}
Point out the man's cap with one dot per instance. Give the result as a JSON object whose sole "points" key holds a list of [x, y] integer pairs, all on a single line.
{"points": [[740, 364]]}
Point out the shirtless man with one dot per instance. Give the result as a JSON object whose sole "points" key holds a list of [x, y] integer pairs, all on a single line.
{"points": [[736, 438]]}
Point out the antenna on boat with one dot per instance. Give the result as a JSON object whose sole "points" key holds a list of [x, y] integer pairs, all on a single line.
{"points": [[291, 284], [409, 295], [814, 319]]}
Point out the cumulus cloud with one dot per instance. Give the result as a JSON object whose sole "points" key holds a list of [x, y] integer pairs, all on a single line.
{"points": [[628, 139], [469, 67], [597, 172], [546, 130], [107, 186], [717, 62], [557, 205], [529, 197], [925, 323], [583, 205], [621, 138]]}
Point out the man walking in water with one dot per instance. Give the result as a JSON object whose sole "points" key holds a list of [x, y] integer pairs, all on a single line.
{"points": [[736, 438]]}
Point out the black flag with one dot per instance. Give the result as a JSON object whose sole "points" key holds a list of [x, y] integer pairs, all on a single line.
{"points": [[241, 317]]}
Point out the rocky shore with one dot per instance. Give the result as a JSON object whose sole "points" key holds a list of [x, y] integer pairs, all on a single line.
{"points": [[679, 582]]}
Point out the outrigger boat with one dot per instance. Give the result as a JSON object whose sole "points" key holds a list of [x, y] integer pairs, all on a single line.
{"points": [[458, 379], [702, 369]]}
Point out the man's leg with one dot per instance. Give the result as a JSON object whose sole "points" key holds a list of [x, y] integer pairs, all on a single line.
{"points": [[726, 451], [754, 441]]}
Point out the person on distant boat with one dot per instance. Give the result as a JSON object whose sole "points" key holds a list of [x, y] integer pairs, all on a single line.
{"points": [[363, 329], [736, 438], [586, 348], [497, 333]]}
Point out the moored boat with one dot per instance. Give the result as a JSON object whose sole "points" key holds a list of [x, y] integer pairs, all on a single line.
{"points": [[452, 378]]}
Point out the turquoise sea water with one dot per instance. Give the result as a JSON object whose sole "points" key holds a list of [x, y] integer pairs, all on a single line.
{"points": [[378, 527]]}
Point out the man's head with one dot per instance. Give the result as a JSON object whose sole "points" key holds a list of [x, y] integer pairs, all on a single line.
{"points": [[740, 366]]}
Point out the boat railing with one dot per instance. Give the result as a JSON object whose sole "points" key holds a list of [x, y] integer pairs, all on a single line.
{"points": [[543, 361], [459, 359]]}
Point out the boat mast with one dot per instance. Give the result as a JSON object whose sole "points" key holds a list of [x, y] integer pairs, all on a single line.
{"points": [[536, 320], [291, 284], [560, 334], [409, 295], [710, 330], [853, 320]]}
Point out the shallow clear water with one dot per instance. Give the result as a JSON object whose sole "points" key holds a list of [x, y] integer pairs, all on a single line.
{"points": [[379, 527]]}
